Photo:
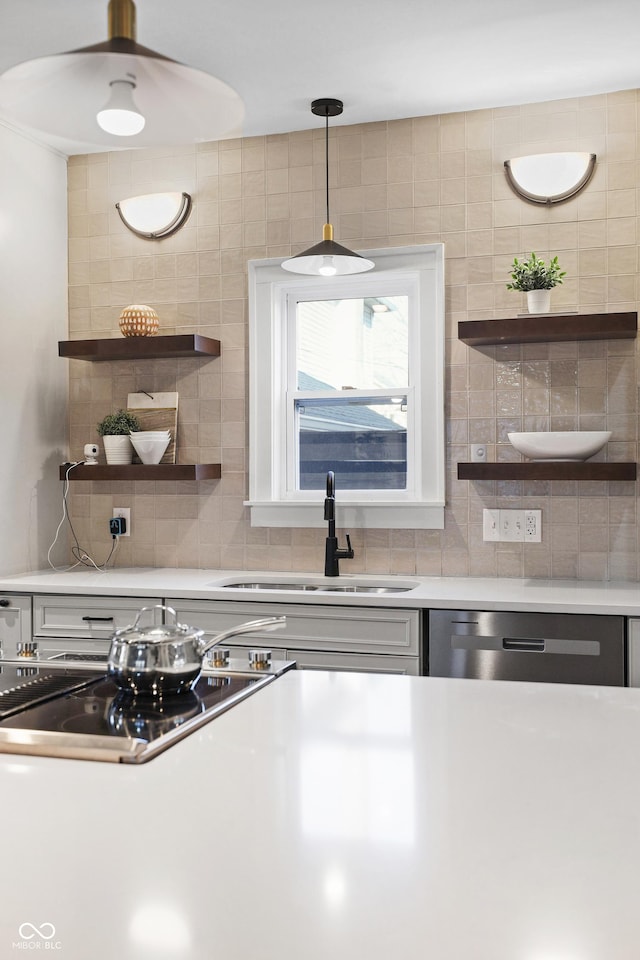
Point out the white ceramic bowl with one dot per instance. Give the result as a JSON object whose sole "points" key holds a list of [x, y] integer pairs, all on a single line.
{"points": [[148, 449], [560, 444]]}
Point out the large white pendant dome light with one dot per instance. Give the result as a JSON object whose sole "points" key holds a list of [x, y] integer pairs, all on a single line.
{"points": [[327, 258], [118, 94]]}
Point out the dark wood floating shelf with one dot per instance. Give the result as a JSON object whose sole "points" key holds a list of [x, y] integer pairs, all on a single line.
{"points": [[140, 348], [549, 470], [543, 328], [143, 471]]}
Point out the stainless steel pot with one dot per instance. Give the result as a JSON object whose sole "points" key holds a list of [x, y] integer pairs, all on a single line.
{"points": [[163, 660]]}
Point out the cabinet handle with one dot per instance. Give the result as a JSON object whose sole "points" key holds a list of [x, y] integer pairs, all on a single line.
{"points": [[101, 619], [4, 602]]}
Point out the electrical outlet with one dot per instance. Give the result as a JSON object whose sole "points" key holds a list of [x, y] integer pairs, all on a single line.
{"points": [[533, 526], [125, 513], [490, 524]]}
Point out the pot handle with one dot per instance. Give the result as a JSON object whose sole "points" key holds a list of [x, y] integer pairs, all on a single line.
{"points": [[267, 623], [156, 606]]}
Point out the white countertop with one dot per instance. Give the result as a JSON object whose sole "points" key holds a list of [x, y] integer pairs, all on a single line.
{"points": [[341, 816], [485, 593]]}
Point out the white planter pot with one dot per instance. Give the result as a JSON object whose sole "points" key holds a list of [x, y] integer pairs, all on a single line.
{"points": [[118, 449], [539, 301]]}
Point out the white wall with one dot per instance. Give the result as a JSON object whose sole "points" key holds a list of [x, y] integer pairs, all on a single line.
{"points": [[33, 317]]}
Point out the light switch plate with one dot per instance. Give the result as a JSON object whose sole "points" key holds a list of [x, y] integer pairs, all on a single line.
{"points": [[490, 524], [512, 526]]}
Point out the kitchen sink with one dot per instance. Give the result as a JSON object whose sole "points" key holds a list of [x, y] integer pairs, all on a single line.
{"points": [[269, 586], [320, 587], [354, 588]]}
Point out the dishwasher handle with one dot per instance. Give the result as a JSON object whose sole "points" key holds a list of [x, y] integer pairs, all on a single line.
{"points": [[524, 644]]}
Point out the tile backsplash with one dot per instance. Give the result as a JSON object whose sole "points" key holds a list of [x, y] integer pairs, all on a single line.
{"points": [[421, 180]]}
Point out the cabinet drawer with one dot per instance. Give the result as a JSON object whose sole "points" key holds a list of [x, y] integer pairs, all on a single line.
{"points": [[91, 617], [354, 662], [15, 623], [310, 627]]}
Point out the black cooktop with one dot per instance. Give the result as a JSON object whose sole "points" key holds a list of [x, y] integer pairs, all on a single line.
{"points": [[24, 686], [85, 712]]}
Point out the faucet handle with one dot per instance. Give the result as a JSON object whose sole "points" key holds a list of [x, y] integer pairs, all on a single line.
{"points": [[348, 554]]}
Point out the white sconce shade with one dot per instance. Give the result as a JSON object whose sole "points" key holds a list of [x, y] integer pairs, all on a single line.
{"points": [[550, 177], [155, 216], [120, 116]]}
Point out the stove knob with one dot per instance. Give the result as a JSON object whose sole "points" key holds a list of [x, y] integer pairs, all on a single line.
{"points": [[219, 657], [27, 650], [259, 659], [26, 672]]}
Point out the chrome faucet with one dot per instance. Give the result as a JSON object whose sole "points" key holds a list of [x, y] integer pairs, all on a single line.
{"points": [[333, 553]]}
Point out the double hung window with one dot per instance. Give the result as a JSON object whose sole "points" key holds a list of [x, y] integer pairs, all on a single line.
{"points": [[346, 375]]}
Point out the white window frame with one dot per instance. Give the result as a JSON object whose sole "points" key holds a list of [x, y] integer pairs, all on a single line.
{"points": [[418, 271]]}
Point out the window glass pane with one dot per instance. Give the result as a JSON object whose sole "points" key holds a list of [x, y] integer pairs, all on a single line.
{"points": [[364, 441], [358, 343]]}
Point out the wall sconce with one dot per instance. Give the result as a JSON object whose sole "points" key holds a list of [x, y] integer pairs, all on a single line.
{"points": [[155, 216], [550, 177]]}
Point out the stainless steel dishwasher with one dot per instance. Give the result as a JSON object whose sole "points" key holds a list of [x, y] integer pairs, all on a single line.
{"points": [[549, 647]]}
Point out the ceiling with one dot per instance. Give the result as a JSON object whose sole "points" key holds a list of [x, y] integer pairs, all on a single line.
{"points": [[386, 59]]}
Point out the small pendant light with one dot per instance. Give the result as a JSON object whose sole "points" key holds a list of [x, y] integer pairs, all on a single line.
{"points": [[327, 258]]}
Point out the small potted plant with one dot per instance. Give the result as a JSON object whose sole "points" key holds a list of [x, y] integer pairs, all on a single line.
{"points": [[114, 430], [536, 278]]}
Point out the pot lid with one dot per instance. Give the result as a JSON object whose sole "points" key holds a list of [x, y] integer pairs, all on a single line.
{"points": [[157, 633]]}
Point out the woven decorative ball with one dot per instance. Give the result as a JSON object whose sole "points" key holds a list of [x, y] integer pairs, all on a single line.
{"points": [[138, 320]]}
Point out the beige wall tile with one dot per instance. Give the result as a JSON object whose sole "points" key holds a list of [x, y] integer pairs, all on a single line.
{"points": [[428, 179]]}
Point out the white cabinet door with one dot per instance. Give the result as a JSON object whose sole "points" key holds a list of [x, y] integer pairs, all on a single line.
{"points": [[372, 630], [15, 624], [322, 637]]}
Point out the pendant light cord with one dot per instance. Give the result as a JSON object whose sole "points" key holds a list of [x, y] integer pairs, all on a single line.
{"points": [[326, 157]]}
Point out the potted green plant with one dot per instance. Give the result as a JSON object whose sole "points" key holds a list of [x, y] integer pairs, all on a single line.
{"points": [[536, 278], [114, 430]]}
